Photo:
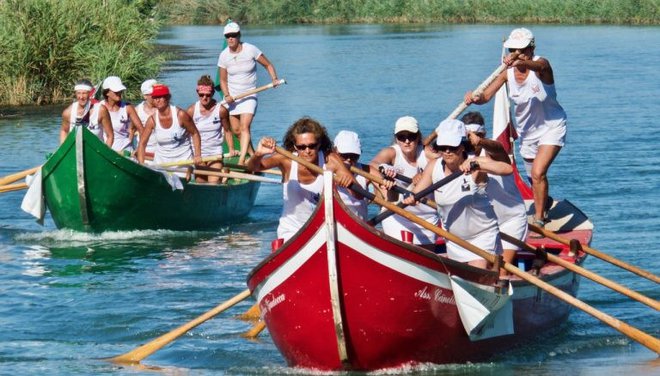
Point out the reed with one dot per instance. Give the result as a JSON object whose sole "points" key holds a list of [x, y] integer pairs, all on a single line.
{"points": [[46, 45], [410, 11]]}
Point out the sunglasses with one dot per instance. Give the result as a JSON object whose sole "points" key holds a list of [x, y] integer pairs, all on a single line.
{"points": [[349, 156], [445, 148], [406, 136], [301, 147], [204, 95], [232, 35]]}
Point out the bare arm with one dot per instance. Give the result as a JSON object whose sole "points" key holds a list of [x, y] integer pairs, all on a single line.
{"points": [[424, 182], [224, 85], [186, 121], [488, 93], [64, 128], [263, 60], [493, 148], [135, 119], [258, 163], [106, 124], [344, 177], [144, 139]]}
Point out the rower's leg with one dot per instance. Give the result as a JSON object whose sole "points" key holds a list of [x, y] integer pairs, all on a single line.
{"points": [[546, 154]]}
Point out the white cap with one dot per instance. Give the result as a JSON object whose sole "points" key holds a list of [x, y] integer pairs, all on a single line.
{"points": [[231, 27], [519, 38], [406, 123], [147, 86], [348, 142], [450, 132], [113, 83], [476, 128]]}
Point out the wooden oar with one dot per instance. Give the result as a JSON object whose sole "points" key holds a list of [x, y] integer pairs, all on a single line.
{"points": [[12, 187], [255, 330], [18, 176], [271, 171], [139, 353], [626, 329], [584, 272], [254, 91], [233, 175], [478, 91], [598, 254], [252, 314]]}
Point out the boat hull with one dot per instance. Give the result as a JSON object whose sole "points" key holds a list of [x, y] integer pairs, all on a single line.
{"points": [[89, 187]]}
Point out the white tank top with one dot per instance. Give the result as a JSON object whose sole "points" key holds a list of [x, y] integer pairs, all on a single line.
{"points": [[121, 126], [172, 144], [536, 106], [463, 205], [300, 200], [144, 116], [210, 130], [94, 125], [402, 167], [356, 205], [83, 120]]}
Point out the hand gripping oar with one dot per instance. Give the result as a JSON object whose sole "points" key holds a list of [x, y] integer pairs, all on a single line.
{"points": [[605, 257], [643, 338], [478, 91], [139, 353], [254, 91]]}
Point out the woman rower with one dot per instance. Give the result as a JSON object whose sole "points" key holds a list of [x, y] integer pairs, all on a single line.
{"points": [[406, 157], [79, 113], [301, 187], [462, 203], [206, 116], [174, 131], [144, 110], [125, 121], [348, 147]]}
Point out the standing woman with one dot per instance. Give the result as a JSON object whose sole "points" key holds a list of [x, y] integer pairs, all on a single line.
{"points": [[541, 121], [125, 121], [79, 113], [406, 157], [238, 74], [144, 110], [205, 113], [174, 131]]}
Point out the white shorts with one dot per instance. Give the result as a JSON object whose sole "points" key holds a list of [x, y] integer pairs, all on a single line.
{"points": [[552, 136], [247, 105]]}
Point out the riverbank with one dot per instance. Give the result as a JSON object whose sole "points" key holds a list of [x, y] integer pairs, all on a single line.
{"points": [[204, 12]]}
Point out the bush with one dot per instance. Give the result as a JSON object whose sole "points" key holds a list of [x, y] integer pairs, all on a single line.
{"points": [[46, 45]]}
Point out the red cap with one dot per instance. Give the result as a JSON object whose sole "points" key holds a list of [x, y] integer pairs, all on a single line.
{"points": [[160, 90]]}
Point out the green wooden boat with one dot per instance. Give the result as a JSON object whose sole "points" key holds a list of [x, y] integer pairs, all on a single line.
{"points": [[89, 187]]}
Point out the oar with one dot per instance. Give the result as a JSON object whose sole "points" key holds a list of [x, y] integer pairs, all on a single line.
{"points": [[255, 330], [595, 253], [271, 171], [139, 353], [643, 338], [233, 175], [478, 91], [190, 161], [252, 314], [584, 272], [12, 187], [254, 91], [18, 176]]}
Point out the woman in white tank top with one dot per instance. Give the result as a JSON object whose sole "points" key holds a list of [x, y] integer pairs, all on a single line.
{"points": [[125, 121], [176, 136], [541, 121], [301, 188], [144, 110], [406, 157], [206, 116], [82, 112], [348, 148]]}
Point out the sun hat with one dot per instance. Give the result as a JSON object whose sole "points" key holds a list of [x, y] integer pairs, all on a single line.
{"points": [[160, 90], [406, 123], [476, 128], [519, 38], [148, 86], [113, 83], [348, 142], [231, 28], [450, 132]]}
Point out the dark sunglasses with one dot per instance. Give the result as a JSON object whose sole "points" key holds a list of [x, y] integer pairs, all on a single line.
{"points": [[445, 148], [204, 95], [302, 147], [351, 156], [232, 35], [406, 136]]}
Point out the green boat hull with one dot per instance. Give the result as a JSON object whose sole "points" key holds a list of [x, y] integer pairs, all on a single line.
{"points": [[89, 187]]}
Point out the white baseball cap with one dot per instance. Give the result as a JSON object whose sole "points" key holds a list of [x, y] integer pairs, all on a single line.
{"points": [[476, 128], [231, 27], [406, 123], [348, 142], [113, 83], [519, 38], [450, 132], [147, 86]]}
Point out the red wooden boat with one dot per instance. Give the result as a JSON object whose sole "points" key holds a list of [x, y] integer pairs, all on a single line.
{"points": [[342, 295]]}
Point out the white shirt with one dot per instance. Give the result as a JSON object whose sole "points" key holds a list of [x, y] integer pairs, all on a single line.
{"points": [[241, 68]]}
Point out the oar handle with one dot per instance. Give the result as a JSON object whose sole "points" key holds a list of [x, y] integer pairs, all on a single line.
{"points": [[397, 176], [254, 91], [476, 92], [18, 176], [190, 161]]}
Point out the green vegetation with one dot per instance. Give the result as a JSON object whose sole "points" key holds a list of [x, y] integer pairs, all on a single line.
{"points": [[410, 11], [46, 45]]}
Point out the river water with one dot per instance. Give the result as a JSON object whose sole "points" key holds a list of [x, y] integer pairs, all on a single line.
{"points": [[67, 299]]}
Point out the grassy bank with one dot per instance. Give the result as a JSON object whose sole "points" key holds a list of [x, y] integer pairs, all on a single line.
{"points": [[46, 45], [636, 12]]}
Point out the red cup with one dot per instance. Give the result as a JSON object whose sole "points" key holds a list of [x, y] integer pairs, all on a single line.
{"points": [[276, 244], [406, 236]]}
